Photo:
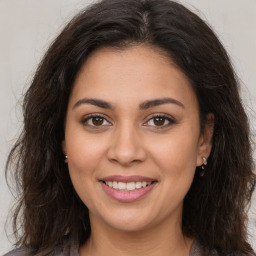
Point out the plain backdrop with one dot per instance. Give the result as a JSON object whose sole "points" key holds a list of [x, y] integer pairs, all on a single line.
{"points": [[28, 26]]}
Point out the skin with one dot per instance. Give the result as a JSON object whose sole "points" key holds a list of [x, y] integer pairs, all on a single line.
{"points": [[128, 141]]}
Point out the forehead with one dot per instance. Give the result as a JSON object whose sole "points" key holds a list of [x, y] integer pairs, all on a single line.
{"points": [[136, 72]]}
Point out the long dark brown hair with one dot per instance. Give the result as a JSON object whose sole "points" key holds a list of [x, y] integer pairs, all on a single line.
{"points": [[215, 208]]}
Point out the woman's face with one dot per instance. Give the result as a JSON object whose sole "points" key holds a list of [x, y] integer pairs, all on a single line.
{"points": [[133, 138]]}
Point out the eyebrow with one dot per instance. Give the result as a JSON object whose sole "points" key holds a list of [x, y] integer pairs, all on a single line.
{"points": [[145, 105], [95, 102], [156, 102]]}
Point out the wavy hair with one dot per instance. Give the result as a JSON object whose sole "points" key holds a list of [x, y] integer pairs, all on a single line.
{"points": [[215, 208]]}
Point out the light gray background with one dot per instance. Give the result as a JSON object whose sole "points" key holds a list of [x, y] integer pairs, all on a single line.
{"points": [[28, 26]]}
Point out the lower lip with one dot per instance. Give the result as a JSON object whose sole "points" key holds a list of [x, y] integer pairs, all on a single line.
{"points": [[127, 196]]}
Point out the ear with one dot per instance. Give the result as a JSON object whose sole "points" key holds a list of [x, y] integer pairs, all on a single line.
{"points": [[64, 150], [205, 140]]}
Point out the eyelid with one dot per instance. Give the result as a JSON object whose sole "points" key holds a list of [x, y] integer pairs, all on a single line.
{"points": [[163, 115], [89, 116], [167, 117]]}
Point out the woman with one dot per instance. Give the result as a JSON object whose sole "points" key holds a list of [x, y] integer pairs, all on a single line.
{"points": [[135, 140]]}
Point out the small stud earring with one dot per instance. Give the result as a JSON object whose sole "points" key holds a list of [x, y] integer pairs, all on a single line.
{"points": [[66, 158], [203, 166]]}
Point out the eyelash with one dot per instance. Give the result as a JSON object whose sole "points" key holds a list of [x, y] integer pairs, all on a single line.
{"points": [[91, 116], [164, 116]]}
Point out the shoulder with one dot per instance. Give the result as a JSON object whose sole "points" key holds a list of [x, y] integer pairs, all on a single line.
{"points": [[28, 252], [68, 248], [18, 252], [198, 250], [55, 252]]}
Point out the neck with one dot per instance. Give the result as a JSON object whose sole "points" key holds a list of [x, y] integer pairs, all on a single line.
{"points": [[163, 239]]}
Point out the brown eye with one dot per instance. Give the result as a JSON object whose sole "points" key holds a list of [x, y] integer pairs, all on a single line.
{"points": [[159, 121], [97, 120]]}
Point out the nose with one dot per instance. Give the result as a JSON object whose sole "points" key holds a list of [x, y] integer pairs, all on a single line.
{"points": [[126, 146]]}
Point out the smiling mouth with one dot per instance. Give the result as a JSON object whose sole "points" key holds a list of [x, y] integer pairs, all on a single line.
{"points": [[128, 186]]}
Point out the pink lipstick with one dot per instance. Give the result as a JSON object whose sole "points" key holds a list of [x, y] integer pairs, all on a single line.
{"points": [[127, 188]]}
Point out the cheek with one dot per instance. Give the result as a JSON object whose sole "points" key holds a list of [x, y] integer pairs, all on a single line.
{"points": [[82, 166], [177, 152], [84, 158], [84, 153], [176, 157]]}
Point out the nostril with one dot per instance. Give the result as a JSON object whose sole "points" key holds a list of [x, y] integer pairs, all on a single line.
{"points": [[126, 156]]}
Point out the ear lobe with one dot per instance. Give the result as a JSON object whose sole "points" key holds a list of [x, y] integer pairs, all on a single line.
{"points": [[205, 140]]}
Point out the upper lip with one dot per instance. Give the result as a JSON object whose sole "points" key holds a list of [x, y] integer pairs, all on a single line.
{"points": [[132, 178]]}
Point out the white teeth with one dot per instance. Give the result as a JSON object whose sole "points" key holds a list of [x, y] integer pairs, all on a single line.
{"points": [[129, 186], [122, 185], [138, 184], [115, 185]]}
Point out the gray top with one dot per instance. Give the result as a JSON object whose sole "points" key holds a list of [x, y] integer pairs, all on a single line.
{"points": [[72, 249]]}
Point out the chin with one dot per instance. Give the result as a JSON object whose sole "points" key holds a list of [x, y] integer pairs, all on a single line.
{"points": [[127, 220], [130, 226]]}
